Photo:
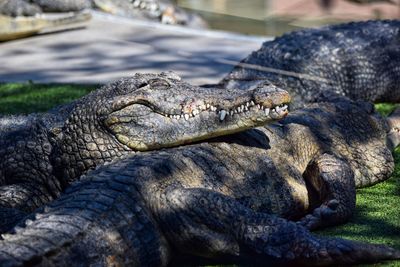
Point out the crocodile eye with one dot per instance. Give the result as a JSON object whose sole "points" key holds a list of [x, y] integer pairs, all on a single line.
{"points": [[159, 84]]}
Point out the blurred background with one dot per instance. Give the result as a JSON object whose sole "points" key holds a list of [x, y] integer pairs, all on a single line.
{"points": [[199, 39], [274, 17]]}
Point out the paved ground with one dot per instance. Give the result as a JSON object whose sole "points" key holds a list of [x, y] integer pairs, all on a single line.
{"points": [[111, 47]]}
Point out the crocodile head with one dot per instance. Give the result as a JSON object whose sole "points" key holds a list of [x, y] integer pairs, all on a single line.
{"points": [[150, 111], [163, 111]]}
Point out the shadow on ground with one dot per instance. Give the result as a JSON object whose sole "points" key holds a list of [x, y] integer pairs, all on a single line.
{"points": [[107, 51]]}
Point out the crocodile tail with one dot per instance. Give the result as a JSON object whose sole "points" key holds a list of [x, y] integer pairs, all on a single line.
{"points": [[344, 252], [284, 243]]}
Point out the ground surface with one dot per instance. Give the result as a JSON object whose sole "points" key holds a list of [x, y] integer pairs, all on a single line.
{"points": [[112, 47], [377, 216]]}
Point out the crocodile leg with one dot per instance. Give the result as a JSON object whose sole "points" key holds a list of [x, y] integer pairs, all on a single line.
{"points": [[210, 225], [331, 182], [17, 200]]}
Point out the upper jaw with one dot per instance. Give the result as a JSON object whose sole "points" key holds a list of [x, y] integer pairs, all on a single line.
{"points": [[272, 101], [274, 112], [188, 114]]}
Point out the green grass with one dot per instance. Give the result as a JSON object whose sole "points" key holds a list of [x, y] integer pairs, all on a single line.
{"points": [[17, 98], [377, 218]]}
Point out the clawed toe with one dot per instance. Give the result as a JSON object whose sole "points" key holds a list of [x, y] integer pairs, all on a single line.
{"points": [[320, 216]]}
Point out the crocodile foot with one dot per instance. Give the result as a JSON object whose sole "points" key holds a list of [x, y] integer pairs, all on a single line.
{"points": [[320, 215]]}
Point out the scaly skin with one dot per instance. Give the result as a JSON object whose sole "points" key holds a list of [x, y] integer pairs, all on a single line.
{"points": [[212, 202], [42, 154], [360, 60], [19, 18], [15, 8], [62, 5]]}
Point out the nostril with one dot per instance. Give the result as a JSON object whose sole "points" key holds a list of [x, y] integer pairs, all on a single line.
{"points": [[143, 85], [159, 84]]}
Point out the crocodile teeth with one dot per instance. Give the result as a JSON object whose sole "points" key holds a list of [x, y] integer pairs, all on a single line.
{"points": [[186, 116], [283, 107], [231, 112], [266, 111], [6, 236], [252, 103], [222, 115]]}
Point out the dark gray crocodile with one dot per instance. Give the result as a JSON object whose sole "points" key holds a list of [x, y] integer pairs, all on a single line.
{"points": [[19, 18], [214, 202], [41, 154], [163, 11], [360, 60]]}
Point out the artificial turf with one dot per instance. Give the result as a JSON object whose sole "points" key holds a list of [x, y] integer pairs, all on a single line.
{"points": [[17, 98], [378, 208]]}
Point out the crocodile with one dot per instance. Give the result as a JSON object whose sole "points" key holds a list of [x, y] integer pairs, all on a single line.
{"points": [[222, 201], [162, 11], [360, 60], [14, 28], [43, 153], [19, 18]]}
